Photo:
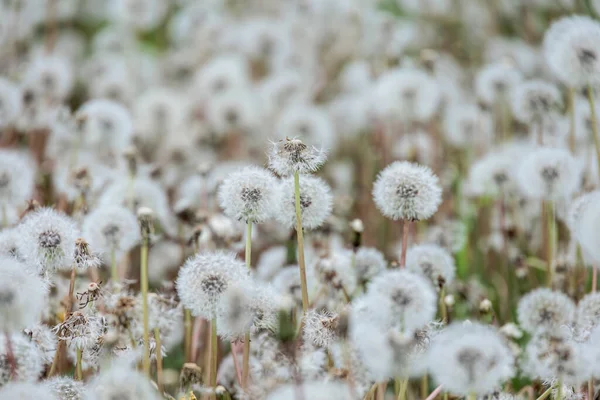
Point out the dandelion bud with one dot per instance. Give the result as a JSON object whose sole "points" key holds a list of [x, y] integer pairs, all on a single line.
{"points": [[145, 217], [449, 300], [485, 306], [358, 228], [191, 374], [511, 330]]}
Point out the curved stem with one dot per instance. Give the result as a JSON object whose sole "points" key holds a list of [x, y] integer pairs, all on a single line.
{"points": [[144, 289], [300, 237]]}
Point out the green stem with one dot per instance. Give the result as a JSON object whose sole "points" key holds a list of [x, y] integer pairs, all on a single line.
{"points": [[472, 396], [78, 368], [546, 393], [551, 226], [424, 386], [559, 390], [300, 237], [159, 366], [443, 307], [114, 272], [213, 355], [187, 341], [144, 288], [246, 357], [590, 96], [403, 387]]}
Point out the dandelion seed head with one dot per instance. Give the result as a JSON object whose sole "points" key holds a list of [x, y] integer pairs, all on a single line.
{"points": [[220, 75], [534, 100], [120, 382], [81, 330], [111, 229], [289, 156], [17, 174], [308, 124], [49, 76], [65, 388], [26, 390], [44, 339], [320, 328], [336, 271], [28, 358], [495, 81], [544, 310], [433, 262], [10, 102], [368, 263], [465, 123], [450, 234], [235, 315], [407, 191], [106, 125], [315, 202]]}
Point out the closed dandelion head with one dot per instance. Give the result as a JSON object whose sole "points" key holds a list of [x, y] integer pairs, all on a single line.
{"points": [[204, 279], [65, 388], [407, 191], [22, 296], [544, 310], [120, 382], [111, 230], [405, 299], [27, 356], [321, 328], [534, 100], [549, 174], [17, 173], [81, 331], [433, 262], [470, 358], [315, 202], [368, 263], [290, 156], [48, 240], [84, 257], [249, 194]]}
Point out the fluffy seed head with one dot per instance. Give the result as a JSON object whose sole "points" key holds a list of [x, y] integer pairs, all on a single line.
{"points": [[204, 279], [106, 125], [248, 194], [111, 229], [588, 311], [23, 391], [308, 124], [120, 382], [315, 202], [434, 262], [368, 262], [533, 100], [495, 81], [81, 331], [586, 229], [289, 156], [407, 191], [321, 328], [65, 388], [10, 102], [27, 356], [544, 310], [48, 240], [17, 174], [470, 358]]}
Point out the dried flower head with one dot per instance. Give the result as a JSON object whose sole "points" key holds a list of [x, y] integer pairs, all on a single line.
{"points": [[470, 358], [204, 279], [81, 330], [290, 156], [407, 191], [544, 310], [315, 202], [434, 262], [249, 194], [84, 258]]}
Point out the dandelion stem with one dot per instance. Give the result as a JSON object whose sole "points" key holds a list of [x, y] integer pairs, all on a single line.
{"points": [[405, 232], [69, 307], [590, 389], [159, 361], [78, 370], [10, 356], [246, 356], [590, 96], [144, 288], [559, 390], [114, 272], [213, 356], [546, 393], [434, 394], [187, 323], [594, 277], [424, 385], [443, 307], [403, 387], [571, 111], [551, 226], [300, 237], [381, 389]]}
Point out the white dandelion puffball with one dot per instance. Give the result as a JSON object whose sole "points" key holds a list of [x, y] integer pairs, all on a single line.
{"points": [[49, 76], [111, 230], [106, 125], [23, 391], [22, 296], [578, 208], [316, 202], [465, 123], [249, 194], [495, 81], [11, 102], [309, 124], [28, 358], [120, 382], [432, 261], [17, 175], [235, 316], [544, 310], [65, 388], [290, 156], [313, 391], [405, 298], [587, 233], [533, 100], [204, 278], [139, 14], [573, 56], [470, 358], [48, 240], [407, 191], [549, 174], [588, 311], [368, 262], [320, 328]]}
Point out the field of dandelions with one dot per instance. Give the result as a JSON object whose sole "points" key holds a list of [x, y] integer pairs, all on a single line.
{"points": [[299, 199]]}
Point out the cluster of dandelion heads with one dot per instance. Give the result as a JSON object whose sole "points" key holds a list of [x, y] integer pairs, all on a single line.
{"points": [[22, 296], [545, 310], [48, 240], [316, 202], [434, 262], [405, 299], [290, 156], [204, 279], [249, 195], [549, 174], [470, 358], [407, 191], [111, 230]]}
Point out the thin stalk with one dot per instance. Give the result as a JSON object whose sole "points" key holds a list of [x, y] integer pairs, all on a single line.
{"points": [[445, 396], [246, 356], [78, 368], [594, 277], [443, 307], [10, 356], [144, 288], [551, 226], [187, 341], [546, 393], [403, 387], [434, 394], [381, 389], [559, 390], [213, 356], [571, 112], [300, 238], [114, 272], [69, 307], [590, 96], [159, 361], [405, 234], [424, 386]]}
